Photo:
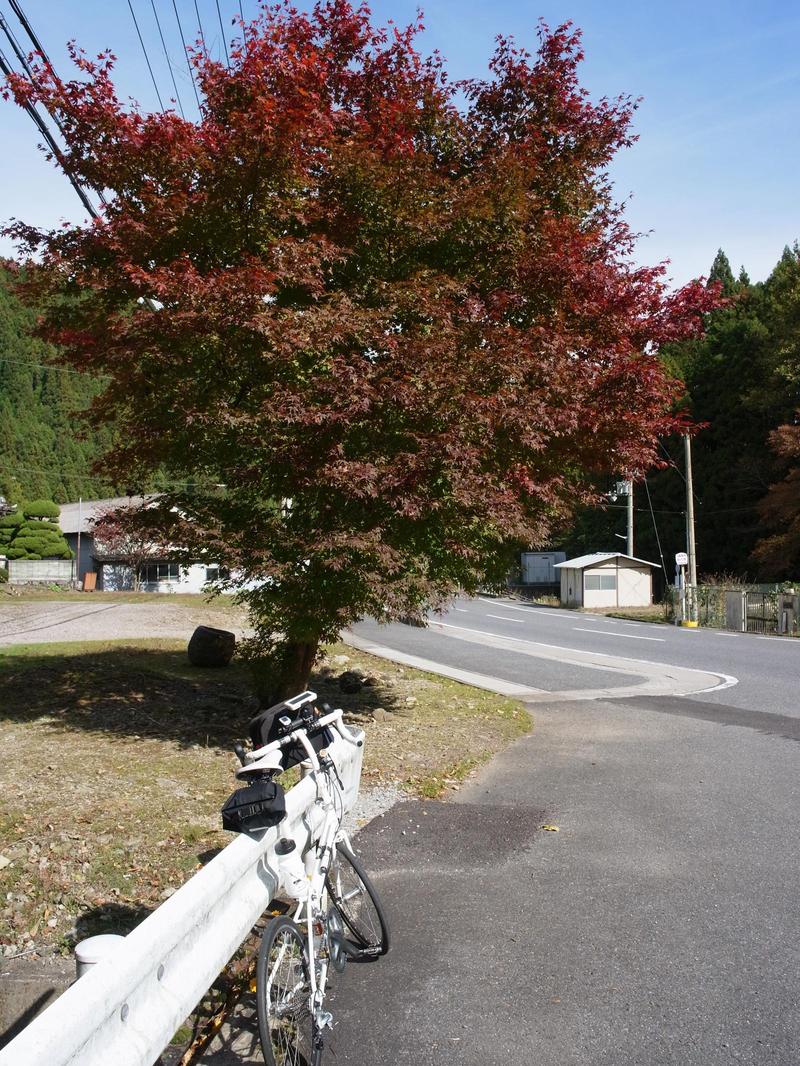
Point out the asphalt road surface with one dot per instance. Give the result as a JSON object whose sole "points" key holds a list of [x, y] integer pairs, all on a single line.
{"points": [[661, 924]]}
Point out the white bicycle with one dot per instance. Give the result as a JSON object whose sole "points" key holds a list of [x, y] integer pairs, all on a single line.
{"points": [[338, 915]]}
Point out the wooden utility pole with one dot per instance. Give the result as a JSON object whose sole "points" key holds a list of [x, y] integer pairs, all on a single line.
{"points": [[690, 543]]}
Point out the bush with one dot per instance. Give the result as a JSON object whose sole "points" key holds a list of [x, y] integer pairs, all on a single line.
{"points": [[41, 509], [33, 534], [3, 575]]}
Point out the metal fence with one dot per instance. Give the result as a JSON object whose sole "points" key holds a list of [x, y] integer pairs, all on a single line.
{"points": [[744, 610]]}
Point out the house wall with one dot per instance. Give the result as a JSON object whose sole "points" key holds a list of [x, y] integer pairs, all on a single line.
{"points": [[571, 588], [538, 567], [117, 577], [86, 564], [633, 584]]}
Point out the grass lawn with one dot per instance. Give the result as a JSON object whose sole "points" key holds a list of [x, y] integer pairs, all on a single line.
{"points": [[11, 594], [118, 759], [654, 612]]}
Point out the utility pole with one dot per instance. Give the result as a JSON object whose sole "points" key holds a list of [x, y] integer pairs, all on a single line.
{"points": [[630, 517], [80, 522], [691, 550]]}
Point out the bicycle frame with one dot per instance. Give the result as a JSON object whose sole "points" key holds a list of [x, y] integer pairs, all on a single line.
{"points": [[311, 910]]}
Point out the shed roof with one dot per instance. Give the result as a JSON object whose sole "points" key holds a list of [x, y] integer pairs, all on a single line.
{"points": [[584, 561], [77, 517]]}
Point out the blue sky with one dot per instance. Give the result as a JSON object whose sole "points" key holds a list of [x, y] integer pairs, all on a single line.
{"points": [[718, 155]]}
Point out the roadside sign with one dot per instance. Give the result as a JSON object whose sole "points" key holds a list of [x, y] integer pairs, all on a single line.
{"points": [[681, 559]]}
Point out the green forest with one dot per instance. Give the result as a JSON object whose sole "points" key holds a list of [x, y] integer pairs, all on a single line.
{"points": [[43, 450], [741, 383]]}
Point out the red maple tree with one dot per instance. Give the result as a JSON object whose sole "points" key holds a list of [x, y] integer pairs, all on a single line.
{"points": [[406, 306], [123, 535]]}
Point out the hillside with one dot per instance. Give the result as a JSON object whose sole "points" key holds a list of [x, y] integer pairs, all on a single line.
{"points": [[741, 382], [42, 453]]}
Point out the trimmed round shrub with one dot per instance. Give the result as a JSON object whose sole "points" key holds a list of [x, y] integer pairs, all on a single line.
{"points": [[41, 509], [34, 534]]}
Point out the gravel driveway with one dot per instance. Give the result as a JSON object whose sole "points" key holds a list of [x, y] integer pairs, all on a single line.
{"points": [[47, 623]]}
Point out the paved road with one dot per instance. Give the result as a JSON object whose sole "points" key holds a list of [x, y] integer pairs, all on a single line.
{"points": [[659, 927], [766, 669]]}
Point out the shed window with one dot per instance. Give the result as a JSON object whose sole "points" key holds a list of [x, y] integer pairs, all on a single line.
{"points": [[600, 582], [153, 572]]}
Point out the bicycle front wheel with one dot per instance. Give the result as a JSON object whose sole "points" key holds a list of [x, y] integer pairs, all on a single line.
{"points": [[356, 899], [283, 995]]}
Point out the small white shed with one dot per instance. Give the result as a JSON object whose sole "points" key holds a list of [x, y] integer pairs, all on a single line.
{"points": [[606, 579]]}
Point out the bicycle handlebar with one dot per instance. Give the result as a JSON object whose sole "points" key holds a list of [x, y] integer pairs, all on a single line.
{"points": [[298, 732]]}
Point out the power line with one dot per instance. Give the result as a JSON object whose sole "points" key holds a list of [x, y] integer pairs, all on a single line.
{"points": [[37, 44], [244, 31], [23, 61], [56, 472], [41, 366], [655, 527], [53, 472], [58, 155], [222, 32], [185, 51], [166, 56], [200, 26], [146, 57]]}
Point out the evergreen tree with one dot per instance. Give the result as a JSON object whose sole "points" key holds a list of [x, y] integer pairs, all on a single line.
{"points": [[742, 382], [721, 272], [46, 450]]}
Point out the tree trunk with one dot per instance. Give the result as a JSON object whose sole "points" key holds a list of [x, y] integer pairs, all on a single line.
{"points": [[285, 673]]}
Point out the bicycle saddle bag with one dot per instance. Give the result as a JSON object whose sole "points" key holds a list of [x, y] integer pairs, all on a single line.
{"points": [[265, 728], [256, 806]]}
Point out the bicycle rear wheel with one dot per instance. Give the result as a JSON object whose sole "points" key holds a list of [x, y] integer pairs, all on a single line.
{"points": [[283, 997], [356, 899]]}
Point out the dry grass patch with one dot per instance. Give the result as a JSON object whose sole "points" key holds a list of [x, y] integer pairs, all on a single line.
{"points": [[119, 759], [23, 594], [654, 612]]}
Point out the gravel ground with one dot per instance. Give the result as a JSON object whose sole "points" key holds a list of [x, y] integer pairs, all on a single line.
{"points": [[47, 623], [371, 803]]}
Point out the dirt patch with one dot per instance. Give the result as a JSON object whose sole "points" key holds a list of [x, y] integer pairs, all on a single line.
{"points": [[119, 759]]}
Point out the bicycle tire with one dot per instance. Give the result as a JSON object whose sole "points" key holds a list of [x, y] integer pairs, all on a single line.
{"points": [[357, 901], [283, 994]]}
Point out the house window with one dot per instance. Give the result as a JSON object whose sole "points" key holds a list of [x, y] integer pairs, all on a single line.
{"points": [[217, 573], [600, 582], [152, 573]]}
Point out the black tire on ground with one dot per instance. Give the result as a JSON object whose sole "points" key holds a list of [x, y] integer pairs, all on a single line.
{"points": [[359, 904], [211, 647], [283, 991]]}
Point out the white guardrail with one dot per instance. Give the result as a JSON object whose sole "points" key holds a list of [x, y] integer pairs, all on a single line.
{"points": [[126, 1009]]}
